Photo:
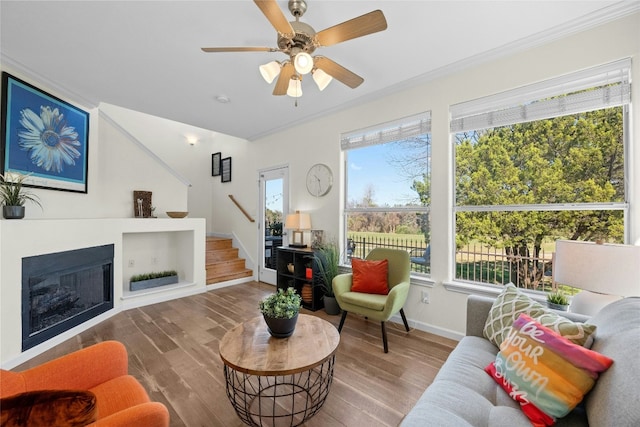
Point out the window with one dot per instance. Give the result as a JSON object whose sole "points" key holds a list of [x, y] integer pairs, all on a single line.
{"points": [[388, 183], [536, 164]]}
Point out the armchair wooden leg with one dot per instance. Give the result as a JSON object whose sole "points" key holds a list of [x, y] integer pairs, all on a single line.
{"points": [[384, 338], [344, 316], [404, 319]]}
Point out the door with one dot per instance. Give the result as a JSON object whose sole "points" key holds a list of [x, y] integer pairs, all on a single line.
{"points": [[274, 206]]}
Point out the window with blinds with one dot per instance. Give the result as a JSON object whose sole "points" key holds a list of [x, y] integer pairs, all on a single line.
{"points": [[388, 188], [539, 163]]}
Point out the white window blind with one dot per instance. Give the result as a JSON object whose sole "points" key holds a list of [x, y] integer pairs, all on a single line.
{"points": [[600, 87], [395, 130]]}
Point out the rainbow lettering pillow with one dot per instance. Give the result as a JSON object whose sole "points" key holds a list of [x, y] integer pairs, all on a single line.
{"points": [[545, 372]]}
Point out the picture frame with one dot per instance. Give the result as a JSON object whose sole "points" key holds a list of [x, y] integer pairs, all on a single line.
{"points": [[317, 238], [215, 163], [55, 158], [225, 166]]}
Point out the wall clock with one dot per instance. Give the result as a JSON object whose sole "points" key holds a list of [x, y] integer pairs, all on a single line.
{"points": [[319, 180]]}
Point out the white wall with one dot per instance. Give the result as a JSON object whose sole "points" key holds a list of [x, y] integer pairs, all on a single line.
{"points": [[317, 141]]}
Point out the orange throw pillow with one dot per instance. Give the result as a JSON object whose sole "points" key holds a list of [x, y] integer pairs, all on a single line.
{"points": [[370, 277]]}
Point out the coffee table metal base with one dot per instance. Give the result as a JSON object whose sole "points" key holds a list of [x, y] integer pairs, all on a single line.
{"points": [[282, 400]]}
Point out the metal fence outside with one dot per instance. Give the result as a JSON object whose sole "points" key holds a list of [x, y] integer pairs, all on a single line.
{"points": [[474, 263]]}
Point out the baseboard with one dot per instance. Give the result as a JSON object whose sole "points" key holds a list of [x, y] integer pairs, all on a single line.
{"points": [[421, 326], [221, 285]]}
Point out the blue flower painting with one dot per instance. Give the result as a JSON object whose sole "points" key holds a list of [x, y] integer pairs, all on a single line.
{"points": [[44, 137]]}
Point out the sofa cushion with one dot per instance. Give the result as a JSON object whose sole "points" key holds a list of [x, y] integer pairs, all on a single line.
{"points": [[370, 277], [546, 373], [119, 394], [613, 400], [512, 302], [60, 408]]}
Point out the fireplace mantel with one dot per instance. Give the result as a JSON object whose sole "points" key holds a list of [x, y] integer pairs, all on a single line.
{"points": [[153, 244]]}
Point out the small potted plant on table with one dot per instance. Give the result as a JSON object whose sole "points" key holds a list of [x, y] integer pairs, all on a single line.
{"points": [[13, 196], [558, 301], [280, 311]]}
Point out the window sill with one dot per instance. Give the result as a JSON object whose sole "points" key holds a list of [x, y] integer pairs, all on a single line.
{"points": [[487, 290]]}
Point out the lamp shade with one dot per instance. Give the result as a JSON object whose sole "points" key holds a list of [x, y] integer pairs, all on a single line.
{"points": [[303, 63], [602, 268], [295, 87], [321, 78], [270, 71], [298, 221]]}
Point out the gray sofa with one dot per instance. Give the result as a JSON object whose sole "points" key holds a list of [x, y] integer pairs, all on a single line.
{"points": [[463, 394]]}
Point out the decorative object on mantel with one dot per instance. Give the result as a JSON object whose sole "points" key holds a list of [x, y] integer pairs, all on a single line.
{"points": [[142, 204], [280, 311], [225, 169], [215, 163], [14, 196], [177, 214], [44, 137], [152, 280]]}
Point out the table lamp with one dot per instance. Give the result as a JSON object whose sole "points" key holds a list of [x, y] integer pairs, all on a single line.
{"points": [[298, 222], [604, 272]]}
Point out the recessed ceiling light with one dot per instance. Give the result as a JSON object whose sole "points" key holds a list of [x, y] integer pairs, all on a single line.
{"points": [[223, 99]]}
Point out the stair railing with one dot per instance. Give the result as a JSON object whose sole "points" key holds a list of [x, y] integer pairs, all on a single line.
{"points": [[233, 199]]}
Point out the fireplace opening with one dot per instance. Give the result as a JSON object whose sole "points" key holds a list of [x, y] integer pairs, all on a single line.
{"points": [[64, 289]]}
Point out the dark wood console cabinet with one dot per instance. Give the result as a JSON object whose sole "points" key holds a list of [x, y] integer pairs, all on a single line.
{"points": [[300, 259]]}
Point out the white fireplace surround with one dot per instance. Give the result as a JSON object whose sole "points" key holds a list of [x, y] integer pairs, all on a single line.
{"points": [[140, 246]]}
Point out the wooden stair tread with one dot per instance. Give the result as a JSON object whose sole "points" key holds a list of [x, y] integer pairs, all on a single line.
{"points": [[222, 261]]}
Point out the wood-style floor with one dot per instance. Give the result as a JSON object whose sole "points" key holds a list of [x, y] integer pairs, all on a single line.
{"points": [[173, 352]]}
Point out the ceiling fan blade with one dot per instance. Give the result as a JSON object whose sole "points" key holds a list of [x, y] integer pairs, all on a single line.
{"points": [[368, 23], [283, 79], [240, 49], [338, 72], [274, 14]]}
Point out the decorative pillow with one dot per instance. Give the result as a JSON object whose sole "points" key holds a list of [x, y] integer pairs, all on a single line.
{"points": [[60, 408], [545, 372], [370, 277], [512, 302]]}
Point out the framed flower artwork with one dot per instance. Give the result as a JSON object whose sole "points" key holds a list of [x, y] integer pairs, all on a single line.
{"points": [[43, 137]]}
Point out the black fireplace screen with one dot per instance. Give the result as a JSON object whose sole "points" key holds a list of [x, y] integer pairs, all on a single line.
{"points": [[64, 289]]}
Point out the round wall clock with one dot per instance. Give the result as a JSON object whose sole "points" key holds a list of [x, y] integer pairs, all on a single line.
{"points": [[319, 180]]}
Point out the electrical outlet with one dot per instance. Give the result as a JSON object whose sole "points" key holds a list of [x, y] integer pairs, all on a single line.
{"points": [[154, 260], [132, 263], [425, 297]]}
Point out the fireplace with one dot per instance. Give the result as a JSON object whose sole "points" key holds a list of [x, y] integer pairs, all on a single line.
{"points": [[64, 289]]}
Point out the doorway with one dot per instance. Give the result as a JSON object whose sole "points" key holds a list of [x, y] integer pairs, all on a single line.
{"points": [[274, 206]]}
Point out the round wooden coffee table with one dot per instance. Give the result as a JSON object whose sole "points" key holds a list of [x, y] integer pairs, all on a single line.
{"points": [[279, 381]]}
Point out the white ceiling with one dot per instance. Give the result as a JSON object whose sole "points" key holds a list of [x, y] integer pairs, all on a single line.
{"points": [[145, 55]]}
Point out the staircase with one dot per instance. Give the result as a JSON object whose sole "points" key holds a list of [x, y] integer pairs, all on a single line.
{"points": [[222, 261]]}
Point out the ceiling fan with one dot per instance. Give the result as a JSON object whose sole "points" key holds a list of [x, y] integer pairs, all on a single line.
{"points": [[299, 40]]}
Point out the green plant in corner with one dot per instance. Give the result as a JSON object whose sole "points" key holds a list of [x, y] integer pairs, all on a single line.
{"points": [[12, 192], [327, 259], [282, 304], [557, 297]]}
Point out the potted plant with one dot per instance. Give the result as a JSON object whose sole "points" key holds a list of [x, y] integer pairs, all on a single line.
{"points": [[327, 259], [558, 301], [280, 311], [14, 196]]}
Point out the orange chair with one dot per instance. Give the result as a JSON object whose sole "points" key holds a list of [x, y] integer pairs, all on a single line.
{"points": [[102, 369]]}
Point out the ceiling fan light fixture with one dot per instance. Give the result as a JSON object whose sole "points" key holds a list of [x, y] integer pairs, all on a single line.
{"points": [[295, 87], [303, 63], [321, 78], [270, 71]]}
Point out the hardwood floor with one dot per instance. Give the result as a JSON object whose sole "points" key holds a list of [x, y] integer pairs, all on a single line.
{"points": [[173, 352]]}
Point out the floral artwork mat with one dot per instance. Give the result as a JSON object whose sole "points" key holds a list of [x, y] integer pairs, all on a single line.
{"points": [[43, 137]]}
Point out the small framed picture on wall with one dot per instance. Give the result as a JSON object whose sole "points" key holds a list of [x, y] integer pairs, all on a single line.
{"points": [[215, 164], [225, 166]]}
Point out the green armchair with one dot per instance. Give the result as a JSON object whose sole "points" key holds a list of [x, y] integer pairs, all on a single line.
{"points": [[374, 306]]}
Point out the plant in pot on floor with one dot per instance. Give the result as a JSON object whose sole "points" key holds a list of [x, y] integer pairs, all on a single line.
{"points": [[327, 259], [558, 301], [280, 311], [13, 195]]}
